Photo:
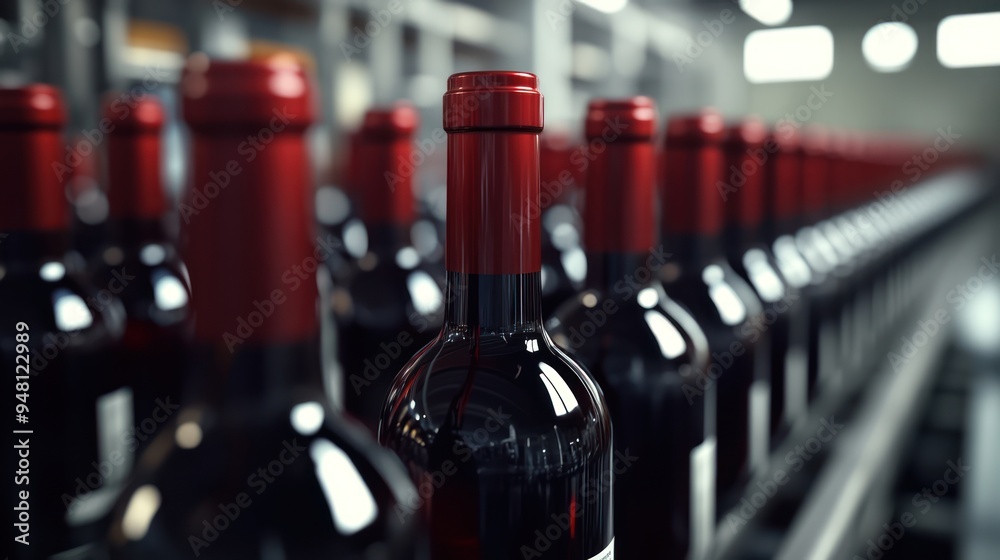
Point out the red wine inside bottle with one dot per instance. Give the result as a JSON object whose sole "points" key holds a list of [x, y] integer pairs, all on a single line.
{"points": [[141, 266], [508, 440], [395, 304], [700, 279], [68, 451], [260, 466], [642, 348]]}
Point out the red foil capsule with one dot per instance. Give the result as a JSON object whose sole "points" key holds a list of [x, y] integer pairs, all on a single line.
{"points": [[385, 169], [744, 176], [134, 172], [691, 174], [782, 189], [561, 171], [621, 179], [493, 120], [816, 180], [35, 164], [248, 215]]}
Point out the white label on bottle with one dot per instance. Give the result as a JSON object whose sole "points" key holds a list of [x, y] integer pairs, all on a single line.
{"points": [[796, 384], [114, 418], [114, 459], [702, 498], [759, 425], [606, 554]]}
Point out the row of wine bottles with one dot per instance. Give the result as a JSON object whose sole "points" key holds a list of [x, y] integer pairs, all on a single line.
{"points": [[561, 384]]}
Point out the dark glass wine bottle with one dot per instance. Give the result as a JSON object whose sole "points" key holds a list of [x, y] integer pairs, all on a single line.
{"points": [[141, 266], [827, 265], [395, 303], [508, 440], [724, 305], [747, 155], [642, 348], [782, 219], [260, 467], [67, 448]]}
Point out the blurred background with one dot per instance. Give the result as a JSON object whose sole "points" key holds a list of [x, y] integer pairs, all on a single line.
{"points": [[886, 66], [923, 69]]}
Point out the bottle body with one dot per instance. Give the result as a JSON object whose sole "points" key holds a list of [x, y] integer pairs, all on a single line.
{"points": [[77, 415], [504, 436], [644, 351]]}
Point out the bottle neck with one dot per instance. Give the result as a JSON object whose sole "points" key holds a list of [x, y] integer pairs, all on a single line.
{"points": [[33, 172], [136, 232], [386, 239], [493, 251], [493, 217], [385, 180], [693, 250], [494, 303], [783, 194], [692, 204], [618, 210], [744, 199], [250, 249], [610, 272], [135, 187]]}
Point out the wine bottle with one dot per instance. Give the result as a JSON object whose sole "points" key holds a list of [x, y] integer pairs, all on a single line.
{"points": [[395, 305], [724, 305], [782, 219], [68, 448], [747, 155], [642, 348], [508, 440], [260, 466], [141, 265]]}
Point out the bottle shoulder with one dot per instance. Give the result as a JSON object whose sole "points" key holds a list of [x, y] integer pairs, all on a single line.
{"points": [[55, 297], [715, 295], [151, 281], [300, 478], [514, 397], [388, 295], [645, 329]]}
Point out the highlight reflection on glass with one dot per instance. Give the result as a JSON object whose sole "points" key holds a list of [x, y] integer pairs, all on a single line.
{"points": [[351, 502]]}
